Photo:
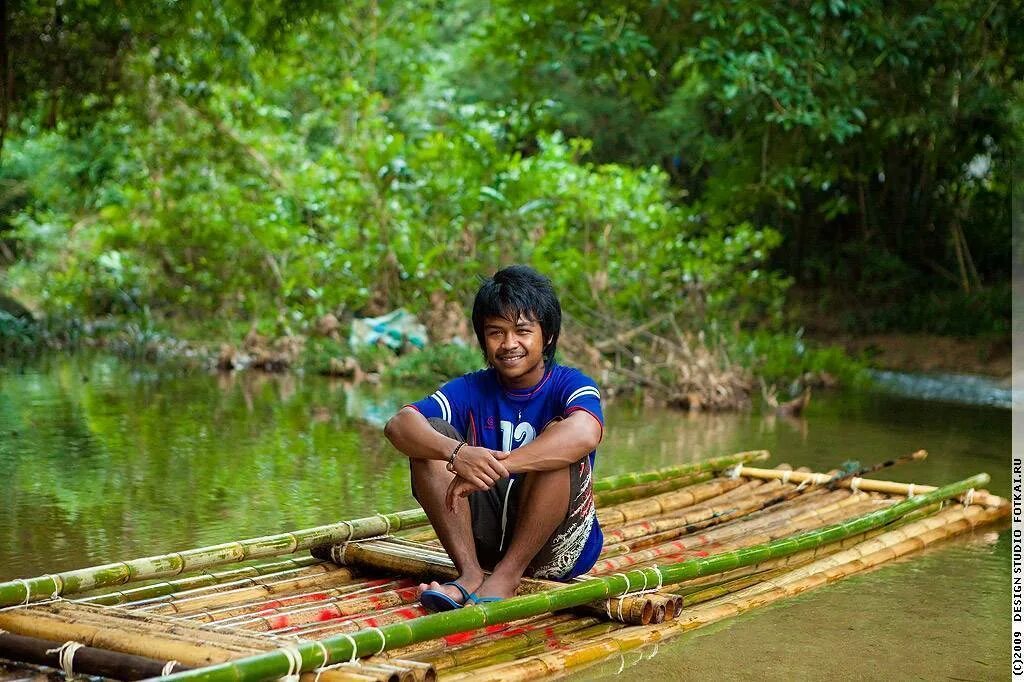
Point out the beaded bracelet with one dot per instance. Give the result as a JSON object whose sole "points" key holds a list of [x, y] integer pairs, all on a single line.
{"points": [[451, 460]]}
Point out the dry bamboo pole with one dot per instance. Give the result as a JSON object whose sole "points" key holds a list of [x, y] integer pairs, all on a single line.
{"points": [[423, 672], [254, 589], [228, 615], [981, 497], [662, 504], [25, 622], [685, 547], [277, 663], [87, 660], [320, 568], [160, 589], [398, 614], [160, 628], [325, 610], [23, 591]]}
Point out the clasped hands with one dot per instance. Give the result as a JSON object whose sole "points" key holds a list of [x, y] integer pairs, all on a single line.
{"points": [[475, 469]]}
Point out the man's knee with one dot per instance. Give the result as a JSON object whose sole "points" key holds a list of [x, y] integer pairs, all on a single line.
{"points": [[444, 428]]}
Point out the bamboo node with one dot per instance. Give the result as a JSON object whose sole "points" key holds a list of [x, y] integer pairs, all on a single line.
{"points": [[168, 668], [66, 655]]}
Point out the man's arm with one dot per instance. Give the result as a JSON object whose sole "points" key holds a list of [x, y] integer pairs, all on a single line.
{"points": [[412, 435], [562, 443]]}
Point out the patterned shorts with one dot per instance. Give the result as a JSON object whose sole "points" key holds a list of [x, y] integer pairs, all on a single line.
{"points": [[495, 513]]}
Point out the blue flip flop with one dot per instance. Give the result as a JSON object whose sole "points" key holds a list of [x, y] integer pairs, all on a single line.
{"points": [[474, 599], [436, 601]]}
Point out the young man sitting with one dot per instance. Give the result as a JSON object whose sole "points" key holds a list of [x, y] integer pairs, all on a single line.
{"points": [[501, 459]]}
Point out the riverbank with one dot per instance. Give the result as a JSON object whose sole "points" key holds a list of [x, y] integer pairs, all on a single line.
{"points": [[988, 356]]}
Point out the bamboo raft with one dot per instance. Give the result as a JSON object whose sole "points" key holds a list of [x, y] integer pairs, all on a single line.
{"points": [[684, 547]]}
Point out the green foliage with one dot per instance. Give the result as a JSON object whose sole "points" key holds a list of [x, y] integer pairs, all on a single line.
{"points": [[976, 313], [18, 335], [857, 122], [784, 359], [434, 364]]}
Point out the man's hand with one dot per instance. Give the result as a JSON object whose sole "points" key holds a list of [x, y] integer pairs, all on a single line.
{"points": [[459, 487], [480, 467]]}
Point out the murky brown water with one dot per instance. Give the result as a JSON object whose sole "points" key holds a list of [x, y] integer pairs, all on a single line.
{"points": [[104, 460]]}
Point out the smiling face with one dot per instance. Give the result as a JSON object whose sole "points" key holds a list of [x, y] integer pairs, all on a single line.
{"points": [[515, 350]]}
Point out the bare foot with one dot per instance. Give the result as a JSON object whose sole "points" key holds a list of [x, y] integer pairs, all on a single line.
{"points": [[468, 582], [498, 585]]}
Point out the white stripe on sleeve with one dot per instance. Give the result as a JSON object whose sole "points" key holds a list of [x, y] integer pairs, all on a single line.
{"points": [[584, 391], [443, 404]]}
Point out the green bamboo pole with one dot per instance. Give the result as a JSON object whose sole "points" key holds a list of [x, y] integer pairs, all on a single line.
{"points": [[714, 464], [163, 589], [370, 641], [80, 580], [636, 492]]}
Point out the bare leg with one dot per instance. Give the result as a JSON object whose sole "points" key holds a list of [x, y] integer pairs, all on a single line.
{"points": [[543, 503], [455, 531]]}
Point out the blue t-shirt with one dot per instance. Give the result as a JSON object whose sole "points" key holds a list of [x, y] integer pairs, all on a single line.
{"points": [[491, 416]]}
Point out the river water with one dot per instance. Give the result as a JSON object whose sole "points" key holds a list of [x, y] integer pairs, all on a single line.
{"points": [[106, 460]]}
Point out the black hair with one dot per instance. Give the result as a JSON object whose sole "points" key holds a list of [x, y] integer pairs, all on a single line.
{"points": [[517, 291]]}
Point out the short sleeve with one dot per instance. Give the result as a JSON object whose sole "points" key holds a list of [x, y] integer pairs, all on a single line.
{"points": [[580, 392], [448, 403]]}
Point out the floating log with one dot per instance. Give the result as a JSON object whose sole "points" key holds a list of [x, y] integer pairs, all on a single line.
{"points": [[278, 663]]}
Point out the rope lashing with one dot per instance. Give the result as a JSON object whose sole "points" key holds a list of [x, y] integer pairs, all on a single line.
{"points": [[294, 663], [168, 667], [734, 472], [855, 485], [383, 640], [323, 664], [969, 498], [352, 658], [387, 522], [66, 656], [910, 490], [785, 476]]}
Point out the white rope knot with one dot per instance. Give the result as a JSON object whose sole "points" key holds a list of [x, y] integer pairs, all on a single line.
{"points": [[168, 667], [294, 663], [855, 484], [28, 590], [785, 476], [734, 472], [969, 498], [804, 483], [910, 490], [341, 553], [66, 655], [387, 522]]}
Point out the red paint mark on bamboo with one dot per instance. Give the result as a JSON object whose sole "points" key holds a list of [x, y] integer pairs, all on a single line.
{"points": [[278, 622], [458, 638]]}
